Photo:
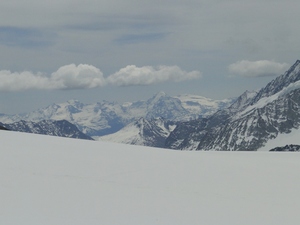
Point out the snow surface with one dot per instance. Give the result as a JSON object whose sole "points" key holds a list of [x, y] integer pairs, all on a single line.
{"points": [[292, 138], [51, 180], [127, 135]]}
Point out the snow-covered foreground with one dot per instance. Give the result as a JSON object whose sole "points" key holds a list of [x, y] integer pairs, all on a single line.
{"points": [[50, 180]]}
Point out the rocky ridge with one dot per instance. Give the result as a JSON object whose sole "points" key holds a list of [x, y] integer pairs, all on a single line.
{"points": [[61, 128], [248, 123]]}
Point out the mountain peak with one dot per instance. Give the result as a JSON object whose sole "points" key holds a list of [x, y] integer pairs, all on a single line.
{"points": [[297, 62], [293, 67], [74, 105], [157, 97], [292, 75], [243, 100], [160, 94], [73, 102]]}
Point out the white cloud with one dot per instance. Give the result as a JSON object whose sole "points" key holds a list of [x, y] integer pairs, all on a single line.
{"points": [[147, 75], [77, 77], [257, 68], [21, 81], [86, 76], [66, 77]]}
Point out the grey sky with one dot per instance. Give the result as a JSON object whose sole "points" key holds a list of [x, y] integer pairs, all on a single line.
{"points": [[131, 49]]}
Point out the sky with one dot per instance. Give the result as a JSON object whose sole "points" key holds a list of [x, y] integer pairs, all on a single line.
{"points": [[54, 51]]}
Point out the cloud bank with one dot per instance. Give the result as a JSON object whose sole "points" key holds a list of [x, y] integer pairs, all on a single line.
{"points": [[260, 68], [147, 75], [66, 77], [21, 81], [85, 76]]}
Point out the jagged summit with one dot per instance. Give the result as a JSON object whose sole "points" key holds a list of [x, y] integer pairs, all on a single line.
{"points": [[292, 75], [293, 67], [243, 100], [158, 96]]}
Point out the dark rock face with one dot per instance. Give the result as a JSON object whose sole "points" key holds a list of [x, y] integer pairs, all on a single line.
{"points": [[287, 148], [61, 128], [3, 128]]}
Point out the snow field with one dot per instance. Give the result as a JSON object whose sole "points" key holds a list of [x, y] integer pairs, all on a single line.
{"points": [[50, 180]]}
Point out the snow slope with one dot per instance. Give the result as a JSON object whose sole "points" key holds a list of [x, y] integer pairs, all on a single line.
{"points": [[51, 180], [128, 135], [142, 132], [283, 139]]}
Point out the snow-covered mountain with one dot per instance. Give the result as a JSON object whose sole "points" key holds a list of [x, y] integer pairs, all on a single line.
{"points": [[248, 124], [91, 119], [61, 128], [105, 117], [143, 132]]}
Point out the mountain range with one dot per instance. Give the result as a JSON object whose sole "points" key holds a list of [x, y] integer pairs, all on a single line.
{"points": [[106, 117]]}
